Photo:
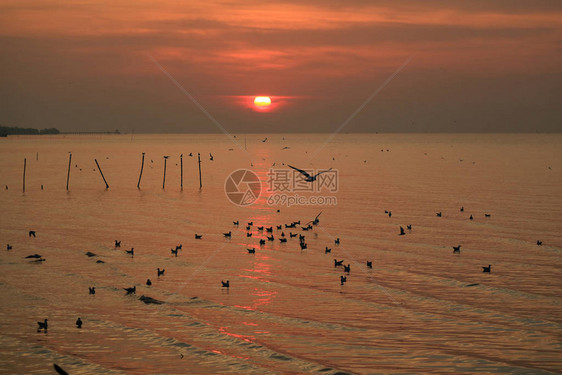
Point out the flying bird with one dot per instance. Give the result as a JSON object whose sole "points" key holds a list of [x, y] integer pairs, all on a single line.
{"points": [[308, 177]]}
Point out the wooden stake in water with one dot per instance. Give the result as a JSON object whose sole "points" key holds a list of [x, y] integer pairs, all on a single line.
{"points": [[181, 171], [164, 180], [99, 169], [199, 161], [140, 175], [68, 175], [24, 164]]}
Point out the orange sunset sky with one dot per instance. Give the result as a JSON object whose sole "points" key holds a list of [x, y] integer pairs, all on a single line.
{"points": [[476, 66]]}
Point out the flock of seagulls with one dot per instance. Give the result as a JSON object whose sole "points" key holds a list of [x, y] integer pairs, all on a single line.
{"points": [[43, 326]]}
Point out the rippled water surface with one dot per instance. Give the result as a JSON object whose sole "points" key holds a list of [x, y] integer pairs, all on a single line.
{"points": [[420, 309]]}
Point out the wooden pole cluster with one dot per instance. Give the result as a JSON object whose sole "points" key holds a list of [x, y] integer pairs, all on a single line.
{"points": [[99, 169]]}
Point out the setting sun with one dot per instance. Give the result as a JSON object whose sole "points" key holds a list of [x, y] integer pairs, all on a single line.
{"points": [[262, 101]]}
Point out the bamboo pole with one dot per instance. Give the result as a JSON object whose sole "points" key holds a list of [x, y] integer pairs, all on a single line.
{"points": [[99, 169], [199, 161], [164, 179], [181, 170], [140, 175], [68, 175], [24, 165]]}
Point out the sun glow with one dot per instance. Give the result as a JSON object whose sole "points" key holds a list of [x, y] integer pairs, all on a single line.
{"points": [[262, 101]]}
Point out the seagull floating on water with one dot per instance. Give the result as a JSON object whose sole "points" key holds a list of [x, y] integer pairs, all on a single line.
{"points": [[43, 326], [132, 290]]}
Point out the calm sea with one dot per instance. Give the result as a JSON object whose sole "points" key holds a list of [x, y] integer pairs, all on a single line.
{"points": [[419, 309]]}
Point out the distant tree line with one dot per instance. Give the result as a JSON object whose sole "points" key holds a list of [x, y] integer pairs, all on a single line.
{"points": [[5, 131]]}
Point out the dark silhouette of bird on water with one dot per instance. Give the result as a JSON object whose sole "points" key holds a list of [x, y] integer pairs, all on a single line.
{"points": [[402, 232], [487, 269], [307, 176], [42, 326], [539, 243], [59, 370], [198, 236], [148, 282], [8, 247], [228, 235], [79, 323], [457, 249], [92, 289], [117, 243], [160, 272], [347, 268], [327, 250], [369, 264], [132, 290], [338, 262], [225, 284], [343, 280], [131, 252], [32, 233]]}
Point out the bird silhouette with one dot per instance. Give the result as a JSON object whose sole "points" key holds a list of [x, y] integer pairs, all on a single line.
{"points": [[228, 235], [402, 231], [252, 250], [42, 326], [457, 249], [148, 282], [369, 264], [307, 176], [338, 262], [225, 284], [160, 272], [343, 280], [132, 290], [117, 243], [487, 269], [32, 233], [327, 250], [79, 323], [198, 236], [92, 289]]}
